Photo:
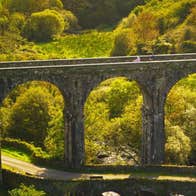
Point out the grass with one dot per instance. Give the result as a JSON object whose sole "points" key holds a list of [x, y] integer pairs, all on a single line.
{"points": [[16, 153], [90, 44], [109, 173], [119, 172], [83, 45]]}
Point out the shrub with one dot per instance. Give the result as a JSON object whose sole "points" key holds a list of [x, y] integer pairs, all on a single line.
{"points": [[35, 152], [71, 20], [144, 47], [17, 21], [127, 22], [3, 24], [145, 30], [191, 19], [161, 46], [182, 10], [26, 191], [123, 43], [188, 46], [177, 147], [29, 116], [42, 26]]}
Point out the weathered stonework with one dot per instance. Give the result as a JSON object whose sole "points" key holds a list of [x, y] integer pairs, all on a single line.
{"points": [[77, 78]]}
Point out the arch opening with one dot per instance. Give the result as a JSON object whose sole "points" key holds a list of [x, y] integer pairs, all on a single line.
{"points": [[32, 122], [180, 122], [113, 123]]}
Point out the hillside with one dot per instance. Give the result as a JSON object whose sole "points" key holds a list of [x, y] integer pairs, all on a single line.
{"points": [[32, 115], [90, 44], [158, 27], [171, 30]]}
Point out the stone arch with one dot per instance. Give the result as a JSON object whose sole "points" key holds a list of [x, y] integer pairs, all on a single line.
{"points": [[105, 79], [175, 80], [176, 120], [96, 81], [9, 86]]}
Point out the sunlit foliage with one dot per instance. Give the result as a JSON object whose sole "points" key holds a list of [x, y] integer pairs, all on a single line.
{"points": [[44, 25], [113, 119], [33, 112], [161, 27], [25, 191]]}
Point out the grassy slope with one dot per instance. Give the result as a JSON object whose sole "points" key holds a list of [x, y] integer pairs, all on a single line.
{"points": [[89, 44], [16, 153], [93, 44]]}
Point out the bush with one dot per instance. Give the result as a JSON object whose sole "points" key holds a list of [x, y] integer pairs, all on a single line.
{"points": [[127, 22], [123, 43], [71, 20], [17, 21], [182, 10], [29, 116], [144, 48], [161, 46], [145, 30], [177, 147], [188, 46], [42, 26], [35, 152], [3, 24], [191, 19], [26, 191]]}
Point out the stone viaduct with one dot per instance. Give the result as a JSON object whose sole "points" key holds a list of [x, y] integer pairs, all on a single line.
{"points": [[76, 78]]}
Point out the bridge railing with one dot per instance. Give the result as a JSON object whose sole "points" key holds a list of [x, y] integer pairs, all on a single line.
{"points": [[97, 60]]}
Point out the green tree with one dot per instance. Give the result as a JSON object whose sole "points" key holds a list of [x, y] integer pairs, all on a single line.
{"points": [[71, 20], [180, 111], [3, 24], [96, 114], [17, 21], [29, 117], [124, 43], [42, 26], [113, 120], [34, 112], [177, 147], [54, 141], [121, 91]]}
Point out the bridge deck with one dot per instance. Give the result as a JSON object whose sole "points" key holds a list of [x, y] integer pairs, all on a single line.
{"points": [[96, 61]]}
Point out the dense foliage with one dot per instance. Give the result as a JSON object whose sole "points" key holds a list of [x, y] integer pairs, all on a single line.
{"points": [[171, 28], [89, 44], [33, 112], [113, 122], [42, 26], [35, 20], [158, 27], [95, 13], [180, 119], [26, 191]]}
